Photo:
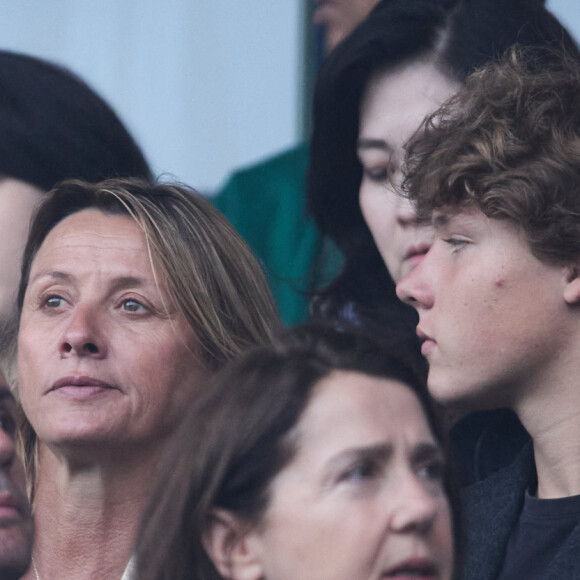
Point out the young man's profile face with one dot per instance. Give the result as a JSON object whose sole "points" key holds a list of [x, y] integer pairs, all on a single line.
{"points": [[491, 315]]}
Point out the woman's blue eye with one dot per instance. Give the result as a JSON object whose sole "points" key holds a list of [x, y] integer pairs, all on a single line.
{"points": [[378, 175], [131, 305], [432, 471], [53, 301], [361, 471]]}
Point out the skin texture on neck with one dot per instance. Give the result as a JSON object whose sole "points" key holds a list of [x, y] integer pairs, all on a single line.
{"points": [[87, 517], [552, 417]]}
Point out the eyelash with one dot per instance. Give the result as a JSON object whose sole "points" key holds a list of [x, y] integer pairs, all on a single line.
{"points": [[378, 175], [433, 471], [45, 303], [142, 307], [456, 244], [360, 471], [46, 299]]}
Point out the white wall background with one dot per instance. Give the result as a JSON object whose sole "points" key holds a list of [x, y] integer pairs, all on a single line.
{"points": [[204, 85], [568, 12]]}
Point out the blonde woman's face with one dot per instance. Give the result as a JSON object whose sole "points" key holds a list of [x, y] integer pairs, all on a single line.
{"points": [[103, 356]]}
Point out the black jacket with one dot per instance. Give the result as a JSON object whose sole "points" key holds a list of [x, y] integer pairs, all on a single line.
{"points": [[491, 508]]}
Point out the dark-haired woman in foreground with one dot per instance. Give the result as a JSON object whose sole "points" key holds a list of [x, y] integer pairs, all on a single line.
{"points": [[316, 458]]}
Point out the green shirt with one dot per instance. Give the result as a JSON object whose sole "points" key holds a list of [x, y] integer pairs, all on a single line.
{"points": [[266, 203]]}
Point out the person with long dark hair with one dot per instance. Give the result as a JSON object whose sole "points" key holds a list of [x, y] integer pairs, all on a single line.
{"points": [[319, 456]]}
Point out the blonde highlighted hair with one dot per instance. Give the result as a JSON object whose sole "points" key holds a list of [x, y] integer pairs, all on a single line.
{"points": [[211, 276]]}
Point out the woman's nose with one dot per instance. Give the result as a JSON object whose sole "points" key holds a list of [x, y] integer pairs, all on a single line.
{"points": [[82, 335], [406, 215], [416, 508]]}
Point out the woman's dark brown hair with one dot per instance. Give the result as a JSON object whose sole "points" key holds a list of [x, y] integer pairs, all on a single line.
{"points": [[458, 37], [237, 437]]}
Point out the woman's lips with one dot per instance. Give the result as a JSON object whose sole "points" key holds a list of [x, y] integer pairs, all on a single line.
{"points": [[427, 343], [11, 508], [416, 253], [81, 387]]}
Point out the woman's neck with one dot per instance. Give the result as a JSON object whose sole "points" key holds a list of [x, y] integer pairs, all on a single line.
{"points": [[87, 516]]}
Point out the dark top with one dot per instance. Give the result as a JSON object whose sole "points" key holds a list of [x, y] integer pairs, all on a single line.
{"points": [[492, 508], [485, 441], [543, 527]]}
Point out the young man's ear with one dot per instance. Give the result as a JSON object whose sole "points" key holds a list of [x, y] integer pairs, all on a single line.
{"points": [[232, 547], [572, 284]]}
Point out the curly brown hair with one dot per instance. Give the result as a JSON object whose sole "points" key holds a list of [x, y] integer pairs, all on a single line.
{"points": [[508, 144]]}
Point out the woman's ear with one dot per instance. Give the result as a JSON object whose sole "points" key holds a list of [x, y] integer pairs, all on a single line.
{"points": [[232, 548], [572, 284]]}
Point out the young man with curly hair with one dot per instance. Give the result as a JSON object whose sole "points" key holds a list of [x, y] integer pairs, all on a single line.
{"points": [[497, 170]]}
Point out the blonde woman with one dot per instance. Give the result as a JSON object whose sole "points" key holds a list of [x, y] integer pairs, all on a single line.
{"points": [[132, 295]]}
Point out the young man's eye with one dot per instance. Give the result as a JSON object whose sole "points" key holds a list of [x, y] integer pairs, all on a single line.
{"points": [[456, 243]]}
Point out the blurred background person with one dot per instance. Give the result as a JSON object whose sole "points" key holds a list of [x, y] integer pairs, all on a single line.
{"points": [[266, 202], [16, 527], [260, 485], [372, 93], [52, 127], [131, 296]]}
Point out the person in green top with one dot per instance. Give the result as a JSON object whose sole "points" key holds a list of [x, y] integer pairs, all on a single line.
{"points": [[266, 203]]}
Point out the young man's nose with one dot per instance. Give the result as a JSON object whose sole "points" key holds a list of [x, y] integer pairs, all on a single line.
{"points": [[414, 289]]}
